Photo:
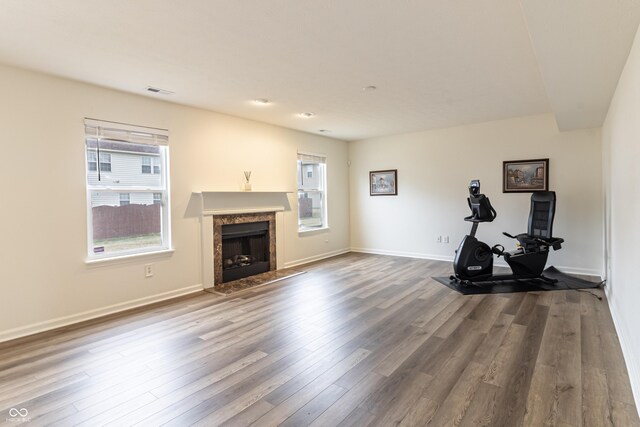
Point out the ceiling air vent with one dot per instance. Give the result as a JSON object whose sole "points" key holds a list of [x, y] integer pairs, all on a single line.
{"points": [[158, 90]]}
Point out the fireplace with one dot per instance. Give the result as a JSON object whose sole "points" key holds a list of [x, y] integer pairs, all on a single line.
{"points": [[244, 245], [245, 250]]}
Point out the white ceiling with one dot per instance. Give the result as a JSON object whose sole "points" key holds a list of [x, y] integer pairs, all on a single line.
{"points": [[435, 63]]}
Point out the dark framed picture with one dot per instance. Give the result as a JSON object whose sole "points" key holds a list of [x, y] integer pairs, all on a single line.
{"points": [[383, 183], [525, 176]]}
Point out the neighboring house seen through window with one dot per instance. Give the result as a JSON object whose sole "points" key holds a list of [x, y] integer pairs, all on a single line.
{"points": [[125, 199], [312, 183], [128, 206], [105, 161], [146, 164], [150, 165]]}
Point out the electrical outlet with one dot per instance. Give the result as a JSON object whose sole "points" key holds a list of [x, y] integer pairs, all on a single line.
{"points": [[445, 239], [148, 270], [439, 239]]}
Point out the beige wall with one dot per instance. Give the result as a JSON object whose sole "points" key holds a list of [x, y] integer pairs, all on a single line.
{"points": [[44, 280], [621, 155], [434, 170]]}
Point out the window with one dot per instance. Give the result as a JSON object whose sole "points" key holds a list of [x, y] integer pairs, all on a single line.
{"points": [[150, 164], [125, 199], [105, 162], [92, 161], [312, 206], [128, 211], [146, 164]]}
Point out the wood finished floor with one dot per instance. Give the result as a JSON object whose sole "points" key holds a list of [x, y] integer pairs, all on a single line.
{"points": [[358, 340]]}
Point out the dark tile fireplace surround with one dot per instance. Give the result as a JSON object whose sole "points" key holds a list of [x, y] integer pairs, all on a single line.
{"points": [[243, 245]]}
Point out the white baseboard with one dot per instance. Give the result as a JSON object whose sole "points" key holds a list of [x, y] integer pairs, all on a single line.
{"points": [[631, 360], [449, 258], [403, 254], [92, 314], [582, 271], [307, 260]]}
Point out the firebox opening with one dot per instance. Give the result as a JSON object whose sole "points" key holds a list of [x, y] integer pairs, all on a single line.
{"points": [[245, 250]]}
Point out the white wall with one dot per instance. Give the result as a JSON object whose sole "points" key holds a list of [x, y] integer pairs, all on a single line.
{"points": [[621, 160], [44, 280], [434, 170]]}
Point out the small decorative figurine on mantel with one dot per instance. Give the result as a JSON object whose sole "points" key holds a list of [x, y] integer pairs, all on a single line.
{"points": [[247, 184]]}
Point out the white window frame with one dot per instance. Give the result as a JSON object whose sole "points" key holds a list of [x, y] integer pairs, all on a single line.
{"points": [[322, 190], [135, 134]]}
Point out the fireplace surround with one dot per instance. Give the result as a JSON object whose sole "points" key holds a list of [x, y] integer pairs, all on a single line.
{"points": [[227, 207], [233, 233]]}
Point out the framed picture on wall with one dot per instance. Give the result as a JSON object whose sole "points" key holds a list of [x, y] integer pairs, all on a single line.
{"points": [[383, 183], [525, 176]]}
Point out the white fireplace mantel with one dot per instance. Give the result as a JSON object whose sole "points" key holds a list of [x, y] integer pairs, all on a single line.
{"points": [[239, 202], [234, 202]]}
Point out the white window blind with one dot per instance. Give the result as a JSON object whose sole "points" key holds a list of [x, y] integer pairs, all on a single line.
{"points": [[312, 158], [101, 129]]}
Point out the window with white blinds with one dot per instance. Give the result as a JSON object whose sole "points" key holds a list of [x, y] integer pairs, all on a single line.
{"points": [[312, 183], [127, 189]]}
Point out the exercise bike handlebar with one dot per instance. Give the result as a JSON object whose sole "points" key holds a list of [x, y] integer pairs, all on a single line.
{"points": [[475, 218]]}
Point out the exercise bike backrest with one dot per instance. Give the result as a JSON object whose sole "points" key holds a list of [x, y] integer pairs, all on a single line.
{"points": [[543, 209], [481, 209]]}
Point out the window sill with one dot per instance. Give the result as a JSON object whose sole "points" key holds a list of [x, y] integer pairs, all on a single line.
{"points": [[312, 231], [125, 258]]}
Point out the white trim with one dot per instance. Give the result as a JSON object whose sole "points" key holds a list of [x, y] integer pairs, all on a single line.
{"points": [[128, 128], [569, 270], [582, 271], [403, 254], [565, 269], [310, 231], [309, 153], [129, 257], [92, 314], [241, 192], [215, 212], [631, 360], [307, 260]]}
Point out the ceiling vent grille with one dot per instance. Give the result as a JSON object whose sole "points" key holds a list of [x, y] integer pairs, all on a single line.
{"points": [[158, 90]]}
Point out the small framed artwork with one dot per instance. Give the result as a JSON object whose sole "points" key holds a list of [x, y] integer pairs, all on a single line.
{"points": [[383, 183], [525, 176]]}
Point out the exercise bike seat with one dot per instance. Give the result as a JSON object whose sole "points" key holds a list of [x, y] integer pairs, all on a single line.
{"points": [[540, 224]]}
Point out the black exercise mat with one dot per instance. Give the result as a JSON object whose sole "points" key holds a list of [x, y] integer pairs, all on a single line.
{"points": [[565, 282]]}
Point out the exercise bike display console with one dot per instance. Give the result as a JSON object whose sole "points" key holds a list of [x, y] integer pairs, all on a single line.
{"points": [[473, 263]]}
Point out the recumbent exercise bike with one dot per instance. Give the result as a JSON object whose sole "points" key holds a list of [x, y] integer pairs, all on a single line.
{"points": [[473, 263]]}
